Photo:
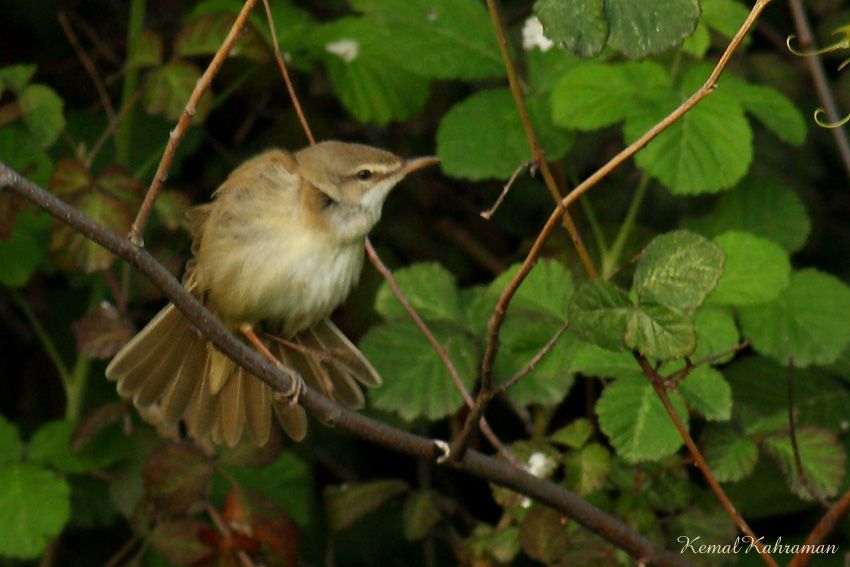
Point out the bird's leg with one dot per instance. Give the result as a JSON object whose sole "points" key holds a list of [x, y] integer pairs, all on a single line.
{"points": [[297, 385]]}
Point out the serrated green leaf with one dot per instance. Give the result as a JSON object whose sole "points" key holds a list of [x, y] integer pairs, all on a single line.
{"points": [[643, 27], [594, 95], [808, 321], [42, 112], [574, 435], [763, 208], [729, 455], [822, 456], [19, 150], [492, 115], [347, 503], [635, 421], [416, 383], [592, 360], [707, 392], [166, 90], [50, 446], [772, 108], [35, 505], [440, 39], [678, 270], [547, 290], [579, 26], [709, 149], [431, 290], [23, 251], [286, 481], [420, 514], [15, 77], [716, 332], [598, 313], [756, 270], [11, 447], [371, 87], [145, 51], [586, 469], [660, 332]]}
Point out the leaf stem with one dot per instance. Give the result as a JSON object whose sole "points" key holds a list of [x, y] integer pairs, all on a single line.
{"points": [[610, 260], [131, 80], [43, 336]]}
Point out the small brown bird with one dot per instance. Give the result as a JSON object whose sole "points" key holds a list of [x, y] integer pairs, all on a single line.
{"points": [[279, 247]]}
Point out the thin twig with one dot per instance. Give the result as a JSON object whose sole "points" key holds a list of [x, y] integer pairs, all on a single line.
{"points": [[474, 463], [822, 530], [815, 66], [43, 336], [282, 66], [535, 360], [497, 319], [792, 433], [110, 129], [537, 154], [100, 45], [676, 377], [118, 558], [507, 187], [658, 385], [88, 65], [183, 123], [438, 348]]}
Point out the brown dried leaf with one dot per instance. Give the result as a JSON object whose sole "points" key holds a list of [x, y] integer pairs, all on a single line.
{"points": [[543, 534], [70, 176], [179, 541], [102, 331], [177, 476], [264, 522]]}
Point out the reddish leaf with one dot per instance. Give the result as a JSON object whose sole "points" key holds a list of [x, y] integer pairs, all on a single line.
{"points": [[264, 521], [115, 180], [70, 176], [180, 542], [102, 331], [177, 476]]}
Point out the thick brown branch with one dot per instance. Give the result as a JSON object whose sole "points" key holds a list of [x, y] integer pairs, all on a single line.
{"points": [[474, 463], [185, 119]]}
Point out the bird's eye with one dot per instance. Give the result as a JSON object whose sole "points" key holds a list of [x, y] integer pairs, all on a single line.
{"points": [[327, 201], [364, 175]]}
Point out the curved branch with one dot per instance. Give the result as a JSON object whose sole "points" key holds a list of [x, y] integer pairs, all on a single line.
{"points": [[473, 462]]}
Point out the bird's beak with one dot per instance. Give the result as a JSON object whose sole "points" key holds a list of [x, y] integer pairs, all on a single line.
{"points": [[415, 164]]}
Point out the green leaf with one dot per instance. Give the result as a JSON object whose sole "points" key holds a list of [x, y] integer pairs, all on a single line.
{"points": [[373, 88], [764, 208], [574, 435], [709, 149], [204, 34], [431, 290], [593, 95], [42, 112], [50, 446], [635, 421], [580, 26], [697, 43], [659, 332], [416, 383], [772, 108], [294, 26], [636, 28], [707, 392], [499, 544], [716, 332], [11, 447], [543, 535], [35, 505], [586, 469], [492, 115], [678, 270], [166, 90], [643, 27], [723, 16], [347, 503], [545, 65], [440, 39], [547, 290], [19, 150], [756, 269], [286, 481], [15, 77], [729, 455], [822, 456], [25, 248], [420, 514], [145, 51], [808, 321], [598, 313], [592, 360]]}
